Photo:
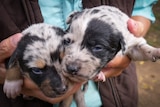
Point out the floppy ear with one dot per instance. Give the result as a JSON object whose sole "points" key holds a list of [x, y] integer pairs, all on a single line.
{"points": [[13, 70], [122, 44], [72, 16], [13, 61]]}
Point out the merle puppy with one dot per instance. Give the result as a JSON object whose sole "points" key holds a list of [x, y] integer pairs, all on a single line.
{"points": [[38, 57], [95, 36]]}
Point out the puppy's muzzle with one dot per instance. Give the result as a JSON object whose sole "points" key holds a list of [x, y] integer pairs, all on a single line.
{"points": [[73, 68], [61, 90], [53, 89]]}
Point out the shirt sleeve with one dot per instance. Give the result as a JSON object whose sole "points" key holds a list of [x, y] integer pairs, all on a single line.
{"points": [[144, 8]]}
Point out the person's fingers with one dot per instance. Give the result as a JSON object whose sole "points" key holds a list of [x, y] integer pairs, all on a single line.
{"points": [[112, 72], [119, 61], [135, 27], [116, 66], [31, 89], [8, 45]]}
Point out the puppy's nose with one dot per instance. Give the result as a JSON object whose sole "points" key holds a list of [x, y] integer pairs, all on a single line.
{"points": [[73, 68], [62, 89]]}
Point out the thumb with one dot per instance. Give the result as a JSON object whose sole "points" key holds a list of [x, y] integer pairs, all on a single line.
{"points": [[135, 27], [7, 46], [14, 39]]}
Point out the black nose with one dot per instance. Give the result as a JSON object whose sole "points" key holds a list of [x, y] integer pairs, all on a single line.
{"points": [[73, 68], [62, 89]]}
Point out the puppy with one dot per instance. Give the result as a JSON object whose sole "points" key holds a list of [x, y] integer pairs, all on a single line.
{"points": [[94, 37], [38, 57]]}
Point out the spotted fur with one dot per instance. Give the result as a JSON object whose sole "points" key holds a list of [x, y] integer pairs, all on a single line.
{"points": [[95, 36], [37, 57]]}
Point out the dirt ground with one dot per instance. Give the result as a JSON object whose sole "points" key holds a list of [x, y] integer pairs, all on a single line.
{"points": [[149, 72], [149, 83]]}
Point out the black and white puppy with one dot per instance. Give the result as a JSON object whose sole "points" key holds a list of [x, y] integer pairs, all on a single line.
{"points": [[38, 57], [95, 36]]}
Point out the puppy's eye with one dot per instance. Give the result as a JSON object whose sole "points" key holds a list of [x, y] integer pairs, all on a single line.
{"points": [[97, 48], [67, 41], [36, 71]]}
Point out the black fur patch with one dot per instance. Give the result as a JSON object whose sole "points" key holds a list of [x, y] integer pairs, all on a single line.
{"points": [[102, 40], [59, 31], [95, 11]]}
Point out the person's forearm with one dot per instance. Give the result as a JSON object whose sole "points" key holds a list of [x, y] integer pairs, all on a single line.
{"points": [[145, 24]]}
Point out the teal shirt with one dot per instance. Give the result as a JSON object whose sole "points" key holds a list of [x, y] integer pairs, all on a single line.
{"points": [[92, 97], [144, 8], [55, 12]]}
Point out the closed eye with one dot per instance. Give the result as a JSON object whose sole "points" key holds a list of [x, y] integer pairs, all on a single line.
{"points": [[98, 48]]}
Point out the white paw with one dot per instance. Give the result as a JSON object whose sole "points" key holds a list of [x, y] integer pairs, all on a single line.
{"points": [[101, 77], [12, 88]]}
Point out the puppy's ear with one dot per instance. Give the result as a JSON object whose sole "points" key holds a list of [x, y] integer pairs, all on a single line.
{"points": [[72, 16], [13, 70], [13, 61], [122, 44]]}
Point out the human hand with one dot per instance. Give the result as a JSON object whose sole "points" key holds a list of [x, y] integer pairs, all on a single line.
{"points": [[113, 68], [138, 25], [135, 27], [7, 46], [30, 89]]}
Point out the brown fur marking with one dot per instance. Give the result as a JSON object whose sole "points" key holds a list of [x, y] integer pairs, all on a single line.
{"points": [[14, 73], [40, 63]]}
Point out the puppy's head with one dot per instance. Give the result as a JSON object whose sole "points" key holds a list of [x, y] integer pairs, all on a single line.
{"points": [[91, 43], [38, 56]]}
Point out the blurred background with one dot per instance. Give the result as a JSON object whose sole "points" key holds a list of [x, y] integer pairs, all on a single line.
{"points": [[149, 72]]}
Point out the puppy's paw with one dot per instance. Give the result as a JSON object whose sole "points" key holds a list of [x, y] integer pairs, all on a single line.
{"points": [[12, 88], [100, 77], [155, 54], [152, 53]]}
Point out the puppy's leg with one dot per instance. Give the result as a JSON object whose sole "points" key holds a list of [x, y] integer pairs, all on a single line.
{"points": [[13, 82], [79, 96], [144, 52], [66, 102]]}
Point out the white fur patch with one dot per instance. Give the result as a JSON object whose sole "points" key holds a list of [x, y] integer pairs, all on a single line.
{"points": [[101, 77], [12, 88]]}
